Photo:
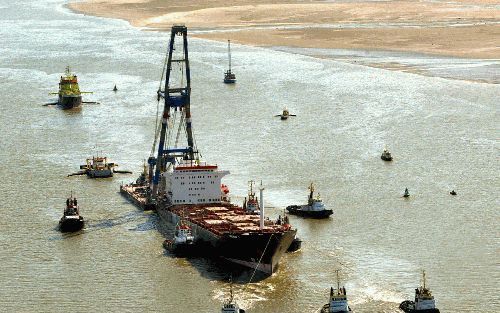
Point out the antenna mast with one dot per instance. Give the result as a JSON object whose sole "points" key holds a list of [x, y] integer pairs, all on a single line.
{"points": [[229, 53]]}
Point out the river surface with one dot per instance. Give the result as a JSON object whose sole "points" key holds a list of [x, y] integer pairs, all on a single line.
{"points": [[443, 133]]}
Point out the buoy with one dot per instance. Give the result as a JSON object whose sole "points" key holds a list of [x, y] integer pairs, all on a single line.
{"points": [[115, 89], [407, 193]]}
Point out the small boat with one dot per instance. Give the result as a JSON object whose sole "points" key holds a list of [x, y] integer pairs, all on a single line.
{"points": [[314, 207], [230, 306], [252, 204], [406, 194], [386, 155], [115, 89], [183, 242], [72, 220], [285, 114], [338, 300], [453, 193], [424, 301], [229, 77]]}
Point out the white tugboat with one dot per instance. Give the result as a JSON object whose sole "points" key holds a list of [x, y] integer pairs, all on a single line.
{"points": [[338, 300], [314, 208], [183, 242], [424, 301], [230, 306], [386, 155]]}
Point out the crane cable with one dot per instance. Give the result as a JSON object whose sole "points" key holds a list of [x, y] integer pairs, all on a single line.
{"points": [[157, 123]]}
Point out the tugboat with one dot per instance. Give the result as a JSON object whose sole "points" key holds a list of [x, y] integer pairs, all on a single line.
{"points": [[183, 242], [338, 300], [252, 204], [453, 192], [285, 114], [406, 194], [424, 301], [229, 77], [69, 92], [72, 220], [386, 155], [230, 306], [98, 167], [314, 207]]}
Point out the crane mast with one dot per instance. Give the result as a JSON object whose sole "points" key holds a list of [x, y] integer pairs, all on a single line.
{"points": [[175, 99]]}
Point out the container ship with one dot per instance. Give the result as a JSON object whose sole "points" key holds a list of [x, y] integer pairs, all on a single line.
{"points": [[180, 186]]}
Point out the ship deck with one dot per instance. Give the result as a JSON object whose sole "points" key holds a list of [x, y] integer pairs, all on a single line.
{"points": [[221, 218], [218, 218]]}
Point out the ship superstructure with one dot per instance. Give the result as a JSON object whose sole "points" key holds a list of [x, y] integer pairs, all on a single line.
{"points": [[180, 185], [424, 300]]}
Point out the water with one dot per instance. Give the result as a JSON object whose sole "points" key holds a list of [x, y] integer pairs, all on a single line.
{"points": [[442, 132]]}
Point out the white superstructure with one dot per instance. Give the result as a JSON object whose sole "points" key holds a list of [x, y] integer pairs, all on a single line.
{"points": [[194, 182]]}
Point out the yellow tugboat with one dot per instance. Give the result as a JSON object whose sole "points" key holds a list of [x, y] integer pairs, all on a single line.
{"points": [[69, 93]]}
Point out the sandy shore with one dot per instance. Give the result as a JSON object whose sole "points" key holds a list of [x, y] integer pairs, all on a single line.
{"points": [[464, 28]]}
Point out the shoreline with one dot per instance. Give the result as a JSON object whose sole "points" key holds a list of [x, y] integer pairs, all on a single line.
{"points": [[465, 29]]}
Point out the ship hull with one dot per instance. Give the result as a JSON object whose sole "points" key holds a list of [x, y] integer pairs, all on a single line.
{"points": [[297, 210], [261, 251], [386, 158], [99, 173], [71, 225], [326, 309], [138, 195], [229, 80], [69, 102], [408, 307]]}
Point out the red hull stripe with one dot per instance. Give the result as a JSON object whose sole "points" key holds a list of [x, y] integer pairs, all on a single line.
{"points": [[190, 168]]}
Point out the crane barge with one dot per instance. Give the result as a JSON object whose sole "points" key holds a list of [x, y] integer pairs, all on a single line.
{"points": [[181, 186]]}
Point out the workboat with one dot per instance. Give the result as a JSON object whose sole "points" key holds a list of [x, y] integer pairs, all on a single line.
{"points": [[72, 220], [386, 155], [337, 301], [406, 194], [230, 306], [424, 301], [180, 185], [183, 242], [229, 76], [314, 207], [98, 167], [285, 114]]}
